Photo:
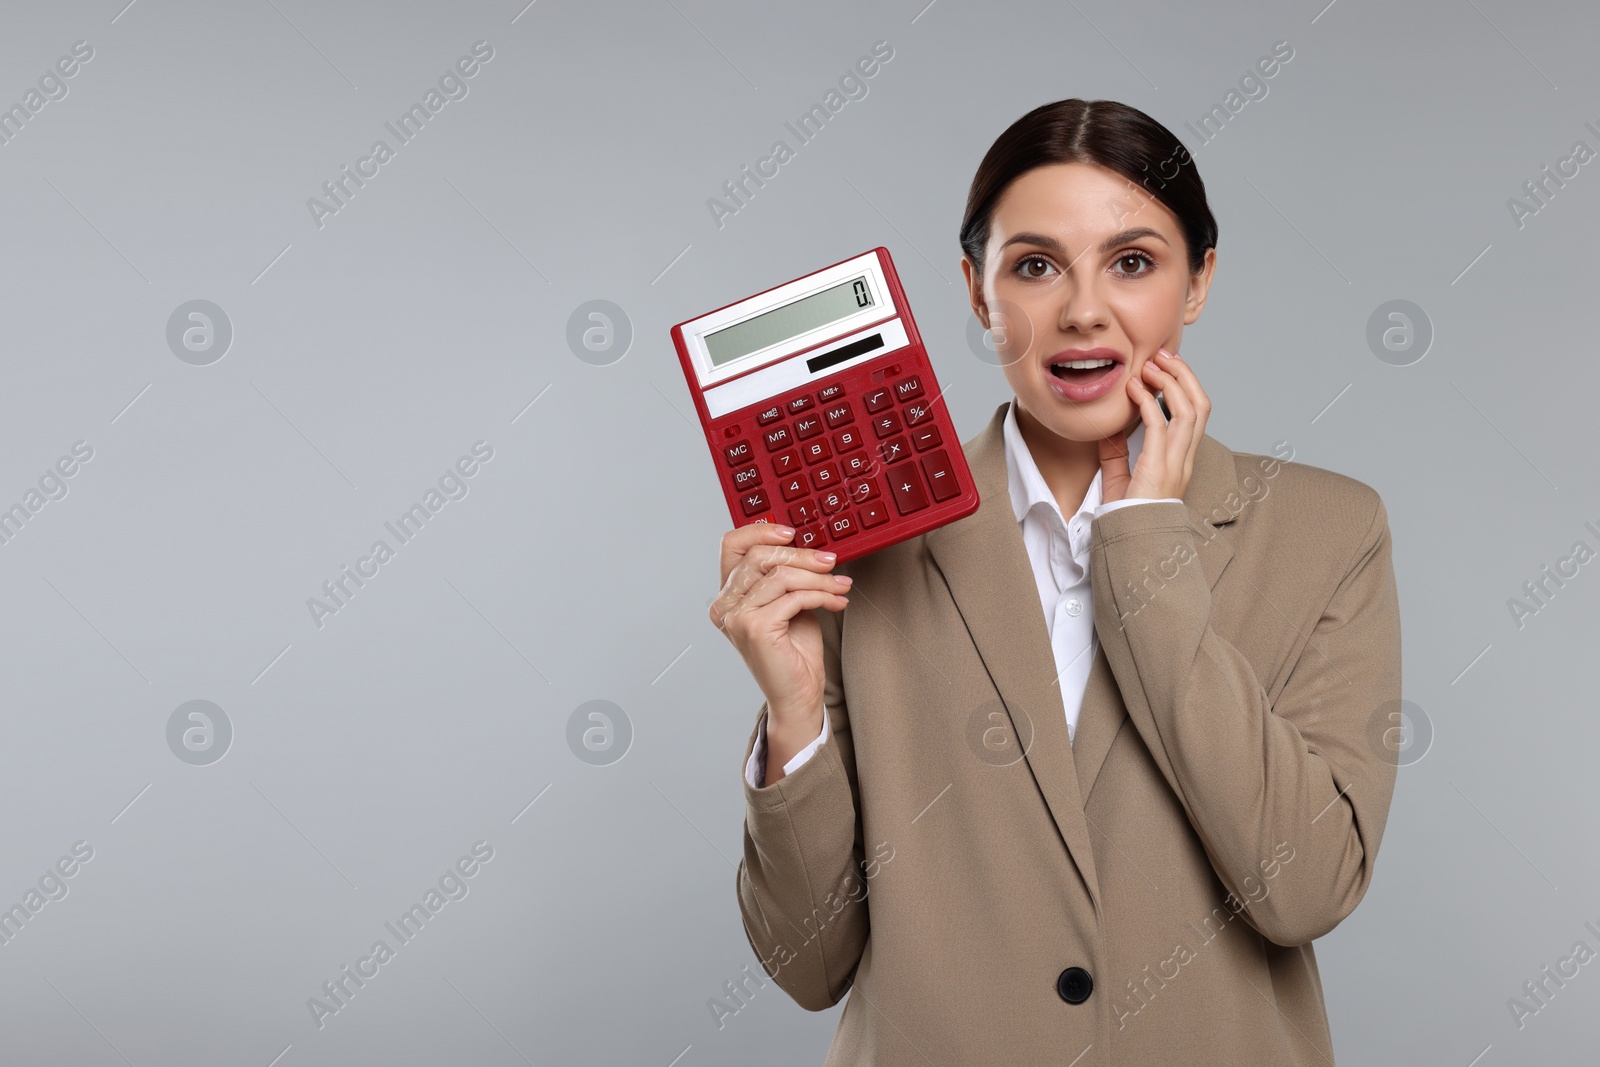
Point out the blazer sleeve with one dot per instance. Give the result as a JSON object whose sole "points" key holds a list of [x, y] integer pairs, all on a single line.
{"points": [[755, 769], [802, 894], [1304, 772]]}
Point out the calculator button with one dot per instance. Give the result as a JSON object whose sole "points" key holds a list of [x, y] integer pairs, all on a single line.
{"points": [[908, 389], [873, 513], [829, 392], [925, 437], [862, 489], [887, 423], [808, 426], [943, 480], [839, 414], [754, 502], [802, 513], [833, 501], [816, 451], [847, 440], [905, 484], [825, 477], [769, 416], [842, 525], [738, 453], [745, 479], [879, 399], [921, 411], [810, 537], [786, 462], [799, 404], [778, 437], [793, 487], [893, 450], [859, 463]]}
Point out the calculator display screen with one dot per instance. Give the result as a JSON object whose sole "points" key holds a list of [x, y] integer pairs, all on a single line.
{"points": [[781, 323]]}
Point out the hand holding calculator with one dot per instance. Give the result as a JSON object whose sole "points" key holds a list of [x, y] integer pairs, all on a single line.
{"points": [[821, 410]]}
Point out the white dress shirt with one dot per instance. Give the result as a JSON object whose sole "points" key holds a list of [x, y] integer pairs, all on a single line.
{"points": [[1058, 550]]}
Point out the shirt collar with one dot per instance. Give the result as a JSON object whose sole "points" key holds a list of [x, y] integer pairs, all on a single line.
{"points": [[1028, 487]]}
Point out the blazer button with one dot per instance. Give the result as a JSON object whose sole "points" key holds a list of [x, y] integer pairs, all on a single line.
{"points": [[1075, 984]]}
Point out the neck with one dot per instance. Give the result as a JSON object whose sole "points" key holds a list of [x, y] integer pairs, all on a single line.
{"points": [[1068, 467]]}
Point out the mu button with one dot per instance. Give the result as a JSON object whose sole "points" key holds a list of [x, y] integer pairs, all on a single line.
{"points": [[1074, 985]]}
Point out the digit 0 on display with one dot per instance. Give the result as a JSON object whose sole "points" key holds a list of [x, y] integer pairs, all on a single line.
{"points": [[822, 412]]}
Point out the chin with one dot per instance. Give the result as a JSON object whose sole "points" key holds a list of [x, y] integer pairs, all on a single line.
{"points": [[1110, 409], [1082, 423]]}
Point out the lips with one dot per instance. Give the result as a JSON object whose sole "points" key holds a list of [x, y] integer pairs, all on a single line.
{"points": [[1079, 354], [1083, 385]]}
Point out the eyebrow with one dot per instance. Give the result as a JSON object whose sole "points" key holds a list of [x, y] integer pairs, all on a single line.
{"points": [[1125, 237]]}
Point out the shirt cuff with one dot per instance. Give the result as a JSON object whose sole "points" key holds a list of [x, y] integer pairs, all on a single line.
{"points": [[756, 769], [1115, 504]]}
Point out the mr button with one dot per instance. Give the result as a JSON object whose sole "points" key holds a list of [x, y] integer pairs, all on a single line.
{"points": [[1074, 985]]}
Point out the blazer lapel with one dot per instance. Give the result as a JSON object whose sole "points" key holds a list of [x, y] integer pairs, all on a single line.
{"points": [[985, 565]]}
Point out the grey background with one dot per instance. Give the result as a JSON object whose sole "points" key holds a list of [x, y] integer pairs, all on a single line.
{"points": [[431, 312]]}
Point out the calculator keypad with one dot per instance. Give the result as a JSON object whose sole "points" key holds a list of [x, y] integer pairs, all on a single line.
{"points": [[830, 477]]}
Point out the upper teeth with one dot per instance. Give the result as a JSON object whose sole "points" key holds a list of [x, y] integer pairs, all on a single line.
{"points": [[1085, 364]]}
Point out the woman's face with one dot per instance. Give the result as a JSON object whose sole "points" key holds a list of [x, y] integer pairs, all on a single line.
{"points": [[1081, 263]]}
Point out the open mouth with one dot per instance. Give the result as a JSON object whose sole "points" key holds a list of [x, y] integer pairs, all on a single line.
{"points": [[1083, 371]]}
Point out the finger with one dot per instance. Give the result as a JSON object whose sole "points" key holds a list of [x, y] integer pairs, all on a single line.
{"points": [[764, 559], [740, 541], [1176, 366], [741, 625], [1189, 385], [1179, 445], [766, 589], [792, 603], [1155, 431], [767, 557], [1191, 382], [1114, 470], [1168, 386], [1144, 398], [1191, 392]]}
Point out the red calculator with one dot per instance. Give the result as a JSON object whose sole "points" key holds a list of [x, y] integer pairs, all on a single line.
{"points": [[822, 411]]}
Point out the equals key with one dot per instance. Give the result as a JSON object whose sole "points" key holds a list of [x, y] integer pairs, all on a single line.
{"points": [[941, 479]]}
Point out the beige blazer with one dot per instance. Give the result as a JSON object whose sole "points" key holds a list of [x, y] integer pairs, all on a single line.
{"points": [[989, 893]]}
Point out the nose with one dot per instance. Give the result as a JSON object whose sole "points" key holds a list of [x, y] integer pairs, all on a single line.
{"points": [[1083, 306]]}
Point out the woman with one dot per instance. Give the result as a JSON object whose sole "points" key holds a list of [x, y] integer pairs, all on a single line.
{"points": [[1075, 790]]}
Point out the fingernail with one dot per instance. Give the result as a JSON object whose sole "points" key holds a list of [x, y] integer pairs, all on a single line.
{"points": [[827, 557], [786, 531]]}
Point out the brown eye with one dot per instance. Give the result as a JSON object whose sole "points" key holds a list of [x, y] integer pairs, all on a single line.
{"points": [[1023, 266], [1136, 259]]}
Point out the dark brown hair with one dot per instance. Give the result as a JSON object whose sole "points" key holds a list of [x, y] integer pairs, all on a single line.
{"points": [[1107, 134]]}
